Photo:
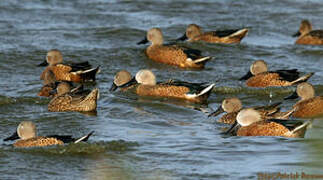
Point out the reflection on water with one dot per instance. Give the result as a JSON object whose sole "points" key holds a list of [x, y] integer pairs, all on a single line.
{"points": [[152, 138]]}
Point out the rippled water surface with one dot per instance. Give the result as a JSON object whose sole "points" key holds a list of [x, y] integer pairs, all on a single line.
{"points": [[140, 138]]}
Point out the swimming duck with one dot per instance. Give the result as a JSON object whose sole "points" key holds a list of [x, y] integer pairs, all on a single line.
{"points": [[251, 123], [144, 84], [232, 106], [67, 100], [308, 36], [195, 33], [172, 54], [77, 72], [26, 133], [309, 105], [259, 76]]}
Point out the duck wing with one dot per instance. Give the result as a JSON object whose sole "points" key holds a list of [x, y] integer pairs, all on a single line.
{"points": [[224, 33], [288, 75]]}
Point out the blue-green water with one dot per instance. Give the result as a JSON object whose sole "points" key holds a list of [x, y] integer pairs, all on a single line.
{"points": [[140, 138]]}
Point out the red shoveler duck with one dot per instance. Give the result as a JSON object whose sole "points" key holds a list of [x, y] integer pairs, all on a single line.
{"points": [[309, 106], [67, 100], [251, 123], [194, 33], [144, 84], [259, 76], [27, 135], [176, 55], [232, 106], [76, 72], [308, 36]]}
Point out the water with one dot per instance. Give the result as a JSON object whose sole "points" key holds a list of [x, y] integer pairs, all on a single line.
{"points": [[139, 138]]}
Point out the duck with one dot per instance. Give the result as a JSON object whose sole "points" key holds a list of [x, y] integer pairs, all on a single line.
{"points": [[67, 100], [307, 36], [250, 122], [144, 84], [232, 106], [172, 54], [75, 72], [194, 33], [259, 76], [27, 137], [309, 106]]}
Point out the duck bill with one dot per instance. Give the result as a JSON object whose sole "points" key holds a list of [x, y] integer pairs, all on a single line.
{"points": [[297, 34], [53, 92], [14, 136], [292, 96], [113, 87], [44, 63], [130, 83], [144, 41], [246, 76], [233, 129], [217, 112], [183, 38]]}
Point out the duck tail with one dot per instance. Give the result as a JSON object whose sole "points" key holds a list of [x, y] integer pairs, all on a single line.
{"points": [[93, 95], [303, 78], [84, 138], [205, 92], [301, 127], [239, 34], [89, 74], [89, 103], [202, 60]]}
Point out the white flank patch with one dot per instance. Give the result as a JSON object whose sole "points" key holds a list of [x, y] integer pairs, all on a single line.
{"points": [[301, 127], [239, 32], [202, 59], [205, 90], [81, 139], [86, 71]]}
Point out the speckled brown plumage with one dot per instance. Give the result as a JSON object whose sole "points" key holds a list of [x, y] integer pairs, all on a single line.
{"points": [[211, 37], [172, 55], [62, 73], [228, 118], [38, 141], [170, 91], [267, 79], [68, 102], [266, 113], [312, 38], [309, 108], [263, 129]]}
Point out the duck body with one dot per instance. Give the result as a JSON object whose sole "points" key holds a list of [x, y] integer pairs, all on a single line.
{"points": [[307, 36], [176, 55], [26, 137], [171, 54], [194, 33], [273, 128], [74, 102], [176, 89], [312, 107], [259, 76]]}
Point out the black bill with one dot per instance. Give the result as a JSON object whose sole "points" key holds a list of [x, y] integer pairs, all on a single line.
{"points": [[12, 137], [183, 38], [217, 112], [44, 63]]}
